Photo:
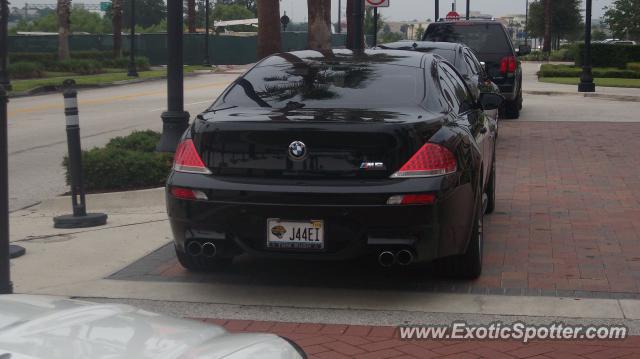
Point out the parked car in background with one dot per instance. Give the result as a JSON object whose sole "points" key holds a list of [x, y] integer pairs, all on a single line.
{"points": [[462, 57], [492, 44], [334, 155], [41, 327]]}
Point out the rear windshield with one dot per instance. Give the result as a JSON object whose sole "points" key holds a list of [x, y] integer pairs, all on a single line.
{"points": [[327, 85], [483, 38]]}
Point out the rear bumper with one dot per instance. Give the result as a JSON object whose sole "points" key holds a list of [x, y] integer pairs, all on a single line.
{"points": [[357, 219]]}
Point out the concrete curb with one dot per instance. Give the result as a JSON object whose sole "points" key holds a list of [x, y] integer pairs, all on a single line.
{"points": [[45, 90], [110, 201], [623, 98]]}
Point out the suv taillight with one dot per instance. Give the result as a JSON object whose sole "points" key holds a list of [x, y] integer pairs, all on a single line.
{"points": [[508, 65], [430, 160], [187, 159]]}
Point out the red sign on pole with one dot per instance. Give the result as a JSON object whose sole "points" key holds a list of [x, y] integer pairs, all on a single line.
{"points": [[378, 3], [453, 16]]}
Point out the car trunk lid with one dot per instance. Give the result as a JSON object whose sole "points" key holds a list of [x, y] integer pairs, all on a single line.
{"points": [[339, 143]]}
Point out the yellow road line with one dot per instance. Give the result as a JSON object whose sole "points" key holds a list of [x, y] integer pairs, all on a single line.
{"points": [[107, 100]]}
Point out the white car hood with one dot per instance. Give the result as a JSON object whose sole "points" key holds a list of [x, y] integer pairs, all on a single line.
{"points": [[49, 328]]}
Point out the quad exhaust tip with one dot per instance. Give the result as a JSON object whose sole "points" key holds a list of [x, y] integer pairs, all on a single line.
{"points": [[403, 257], [386, 259], [194, 248], [207, 249]]}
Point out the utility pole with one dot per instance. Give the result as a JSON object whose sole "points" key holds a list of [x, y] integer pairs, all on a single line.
{"points": [[437, 16], [526, 24], [206, 61], [6, 287], [175, 120], [133, 72], [586, 78], [4, 46], [375, 26]]}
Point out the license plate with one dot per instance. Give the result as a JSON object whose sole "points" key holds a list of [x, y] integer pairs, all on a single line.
{"points": [[295, 234]]}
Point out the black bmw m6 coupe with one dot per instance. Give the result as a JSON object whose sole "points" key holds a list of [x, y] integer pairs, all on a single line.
{"points": [[334, 155]]}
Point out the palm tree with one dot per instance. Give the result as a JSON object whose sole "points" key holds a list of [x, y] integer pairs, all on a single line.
{"points": [[191, 15], [269, 37], [64, 24], [116, 24], [319, 24]]}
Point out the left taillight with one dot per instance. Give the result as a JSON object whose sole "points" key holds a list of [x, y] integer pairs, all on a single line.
{"points": [[188, 160], [430, 160], [508, 65]]}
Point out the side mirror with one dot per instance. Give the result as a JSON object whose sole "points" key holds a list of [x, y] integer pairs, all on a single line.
{"points": [[490, 101], [524, 50]]}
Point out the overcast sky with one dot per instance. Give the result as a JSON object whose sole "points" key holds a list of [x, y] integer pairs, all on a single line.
{"points": [[424, 9], [399, 10]]}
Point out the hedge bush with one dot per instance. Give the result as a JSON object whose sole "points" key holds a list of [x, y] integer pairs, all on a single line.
{"points": [[125, 163], [633, 66], [548, 70], [25, 70], [78, 66], [564, 54], [608, 55]]}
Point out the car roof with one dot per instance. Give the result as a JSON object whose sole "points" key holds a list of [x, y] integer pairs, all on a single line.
{"points": [[369, 56], [422, 45], [467, 22]]}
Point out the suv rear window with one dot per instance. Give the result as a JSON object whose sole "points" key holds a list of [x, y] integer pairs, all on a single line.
{"points": [[483, 38]]}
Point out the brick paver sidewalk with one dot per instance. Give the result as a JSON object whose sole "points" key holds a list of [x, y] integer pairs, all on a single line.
{"points": [[566, 224], [357, 341]]}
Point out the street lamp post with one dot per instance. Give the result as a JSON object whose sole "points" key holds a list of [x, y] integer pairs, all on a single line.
{"points": [[586, 78], [4, 30], [206, 61], [468, 8], [437, 10], [133, 72], [339, 29], [175, 120]]}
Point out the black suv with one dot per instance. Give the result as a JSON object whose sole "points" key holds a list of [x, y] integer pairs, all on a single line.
{"points": [[491, 42]]}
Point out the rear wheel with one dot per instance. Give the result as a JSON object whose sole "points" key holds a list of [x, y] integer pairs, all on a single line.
{"points": [[469, 264], [201, 263], [511, 109]]}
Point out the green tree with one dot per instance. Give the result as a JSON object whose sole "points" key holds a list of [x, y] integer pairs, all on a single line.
{"points": [[623, 18], [247, 4], [81, 21], [368, 22], [148, 12], [566, 19]]}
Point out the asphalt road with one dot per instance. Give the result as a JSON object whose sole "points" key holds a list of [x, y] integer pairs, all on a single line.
{"points": [[37, 138]]}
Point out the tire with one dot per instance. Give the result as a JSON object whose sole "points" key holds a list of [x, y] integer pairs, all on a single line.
{"points": [[491, 188], [511, 110], [202, 264], [469, 264]]}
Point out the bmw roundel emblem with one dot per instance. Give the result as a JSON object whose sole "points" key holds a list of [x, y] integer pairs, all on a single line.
{"points": [[297, 150]]}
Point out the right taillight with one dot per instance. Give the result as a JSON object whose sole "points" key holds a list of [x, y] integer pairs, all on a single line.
{"points": [[188, 160], [508, 65], [430, 160]]}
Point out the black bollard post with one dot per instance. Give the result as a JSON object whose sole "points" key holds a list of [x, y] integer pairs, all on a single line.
{"points": [[80, 218]]}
